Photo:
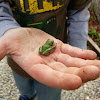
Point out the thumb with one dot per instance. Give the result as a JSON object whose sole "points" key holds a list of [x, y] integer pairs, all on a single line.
{"points": [[2, 49]]}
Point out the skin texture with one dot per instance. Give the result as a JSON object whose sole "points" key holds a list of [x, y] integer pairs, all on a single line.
{"points": [[66, 68]]}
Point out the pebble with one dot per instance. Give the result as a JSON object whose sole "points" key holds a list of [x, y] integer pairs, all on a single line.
{"points": [[9, 91]]}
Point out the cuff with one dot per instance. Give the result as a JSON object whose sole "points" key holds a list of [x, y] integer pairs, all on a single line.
{"points": [[8, 26]]}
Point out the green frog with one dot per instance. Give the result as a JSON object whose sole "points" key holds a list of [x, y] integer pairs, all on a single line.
{"points": [[47, 48]]}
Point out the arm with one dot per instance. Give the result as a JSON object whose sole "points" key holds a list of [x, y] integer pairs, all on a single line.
{"points": [[6, 18], [78, 27], [59, 69]]}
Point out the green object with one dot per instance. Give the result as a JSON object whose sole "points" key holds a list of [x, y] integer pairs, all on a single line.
{"points": [[47, 48], [92, 8], [91, 18], [92, 31]]}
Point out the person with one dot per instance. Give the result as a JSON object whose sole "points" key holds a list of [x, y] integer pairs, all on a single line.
{"points": [[24, 28]]}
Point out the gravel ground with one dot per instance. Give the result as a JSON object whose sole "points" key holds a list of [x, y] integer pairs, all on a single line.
{"points": [[8, 90]]}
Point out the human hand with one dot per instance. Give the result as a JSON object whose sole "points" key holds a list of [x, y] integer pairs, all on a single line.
{"points": [[66, 68]]}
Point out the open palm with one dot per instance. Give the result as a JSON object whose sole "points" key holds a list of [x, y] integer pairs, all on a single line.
{"points": [[66, 68]]}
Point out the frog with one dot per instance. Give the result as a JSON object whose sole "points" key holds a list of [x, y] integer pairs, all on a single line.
{"points": [[47, 48]]}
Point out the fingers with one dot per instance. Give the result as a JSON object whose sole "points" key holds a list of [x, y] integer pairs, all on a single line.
{"points": [[76, 62], [53, 78], [77, 52], [86, 73], [58, 66]]}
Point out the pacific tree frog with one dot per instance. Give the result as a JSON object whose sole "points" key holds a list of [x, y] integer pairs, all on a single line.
{"points": [[47, 48]]}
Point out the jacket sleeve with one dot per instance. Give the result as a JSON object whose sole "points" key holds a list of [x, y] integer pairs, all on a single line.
{"points": [[7, 20], [78, 4]]}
